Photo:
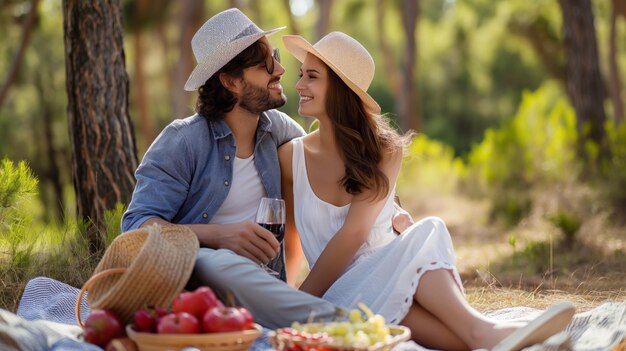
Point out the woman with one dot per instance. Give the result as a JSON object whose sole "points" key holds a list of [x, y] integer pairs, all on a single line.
{"points": [[339, 183]]}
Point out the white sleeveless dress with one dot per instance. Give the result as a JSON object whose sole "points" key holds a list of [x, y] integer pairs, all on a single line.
{"points": [[386, 270]]}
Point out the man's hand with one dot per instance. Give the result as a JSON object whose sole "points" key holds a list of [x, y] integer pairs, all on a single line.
{"points": [[247, 239], [401, 219]]}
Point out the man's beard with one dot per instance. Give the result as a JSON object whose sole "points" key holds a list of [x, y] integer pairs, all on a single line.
{"points": [[257, 100]]}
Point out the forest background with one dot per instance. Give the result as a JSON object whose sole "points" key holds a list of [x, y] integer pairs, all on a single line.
{"points": [[518, 105]]}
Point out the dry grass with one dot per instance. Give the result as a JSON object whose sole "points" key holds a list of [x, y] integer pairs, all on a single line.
{"points": [[589, 273], [73, 270], [489, 297]]}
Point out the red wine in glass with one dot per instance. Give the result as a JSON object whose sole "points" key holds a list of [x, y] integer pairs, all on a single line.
{"points": [[278, 229], [271, 216]]}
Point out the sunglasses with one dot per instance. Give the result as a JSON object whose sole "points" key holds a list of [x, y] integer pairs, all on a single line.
{"points": [[275, 56]]}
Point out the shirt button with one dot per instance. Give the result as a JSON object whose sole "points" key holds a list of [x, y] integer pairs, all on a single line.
{"points": [[205, 216], [227, 157], [226, 183]]}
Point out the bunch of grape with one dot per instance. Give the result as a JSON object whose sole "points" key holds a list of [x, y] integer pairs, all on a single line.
{"points": [[357, 331]]}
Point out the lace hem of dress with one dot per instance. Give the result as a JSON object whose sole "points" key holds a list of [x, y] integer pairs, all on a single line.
{"points": [[408, 300]]}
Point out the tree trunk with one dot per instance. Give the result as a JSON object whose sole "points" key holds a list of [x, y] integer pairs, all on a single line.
{"points": [[584, 83], [55, 207], [169, 67], [53, 173], [408, 109], [616, 83], [393, 76], [546, 44], [141, 94], [104, 154], [27, 27], [323, 21], [190, 19]]}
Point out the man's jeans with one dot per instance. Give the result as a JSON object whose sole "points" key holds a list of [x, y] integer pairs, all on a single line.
{"points": [[272, 302]]}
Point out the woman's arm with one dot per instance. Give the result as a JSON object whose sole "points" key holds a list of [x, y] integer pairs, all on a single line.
{"points": [[354, 232]]}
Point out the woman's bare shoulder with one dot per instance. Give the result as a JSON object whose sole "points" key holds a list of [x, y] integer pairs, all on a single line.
{"points": [[285, 150]]}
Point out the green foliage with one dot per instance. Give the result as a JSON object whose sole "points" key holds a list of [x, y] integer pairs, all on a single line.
{"points": [[613, 182], [512, 240], [16, 185], [535, 258], [567, 223], [112, 220], [536, 148], [30, 248], [472, 70], [559, 258], [511, 206], [17, 188], [430, 166]]}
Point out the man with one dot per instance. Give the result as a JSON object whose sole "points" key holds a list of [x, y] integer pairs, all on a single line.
{"points": [[209, 171]]}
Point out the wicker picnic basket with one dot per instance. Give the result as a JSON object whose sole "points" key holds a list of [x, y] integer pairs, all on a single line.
{"points": [[228, 341], [287, 342]]}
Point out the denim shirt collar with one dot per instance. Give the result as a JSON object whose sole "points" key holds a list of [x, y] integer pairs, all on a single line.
{"points": [[221, 130]]}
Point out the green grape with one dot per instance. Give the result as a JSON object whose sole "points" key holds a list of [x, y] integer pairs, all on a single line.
{"points": [[377, 320], [356, 316], [366, 309], [368, 328], [339, 329], [354, 332]]}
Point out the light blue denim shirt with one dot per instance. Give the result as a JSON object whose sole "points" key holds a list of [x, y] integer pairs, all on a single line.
{"points": [[186, 173]]}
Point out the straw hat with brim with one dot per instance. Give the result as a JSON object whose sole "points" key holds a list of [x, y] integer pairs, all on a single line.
{"points": [[158, 262], [345, 56], [218, 41]]}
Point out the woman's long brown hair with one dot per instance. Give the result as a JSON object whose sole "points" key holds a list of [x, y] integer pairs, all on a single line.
{"points": [[362, 137]]}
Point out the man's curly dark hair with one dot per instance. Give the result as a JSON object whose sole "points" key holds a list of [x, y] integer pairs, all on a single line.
{"points": [[214, 100]]}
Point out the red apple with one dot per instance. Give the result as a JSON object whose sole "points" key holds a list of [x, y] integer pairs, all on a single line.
{"points": [[196, 302], [159, 311], [223, 319], [178, 323], [247, 317], [102, 326], [145, 319]]}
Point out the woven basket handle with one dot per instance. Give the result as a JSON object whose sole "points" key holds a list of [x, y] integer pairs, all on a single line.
{"points": [[88, 284]]}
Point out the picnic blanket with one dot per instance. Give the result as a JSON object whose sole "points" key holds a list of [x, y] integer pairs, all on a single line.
{"points": [[50, 303]]}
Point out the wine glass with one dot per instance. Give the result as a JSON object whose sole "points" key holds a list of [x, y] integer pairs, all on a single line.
{"points": [[271, 216]]}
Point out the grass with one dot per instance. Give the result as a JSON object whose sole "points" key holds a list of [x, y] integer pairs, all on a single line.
{"points": [[70, 263], [533, 263], [58, 251]]}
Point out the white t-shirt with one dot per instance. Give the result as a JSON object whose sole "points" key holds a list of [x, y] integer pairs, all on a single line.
{"points": [[244, 196]]}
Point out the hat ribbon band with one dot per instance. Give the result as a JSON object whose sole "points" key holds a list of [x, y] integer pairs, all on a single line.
{"points": [[250, 30]]}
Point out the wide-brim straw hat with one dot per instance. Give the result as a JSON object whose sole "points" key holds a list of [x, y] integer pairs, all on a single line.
{"points": [[156, 263], [218, 41], [345, 56]]}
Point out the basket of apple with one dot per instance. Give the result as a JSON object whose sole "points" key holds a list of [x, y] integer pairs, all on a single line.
{"points": [[197, 319], [357, 333]]}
